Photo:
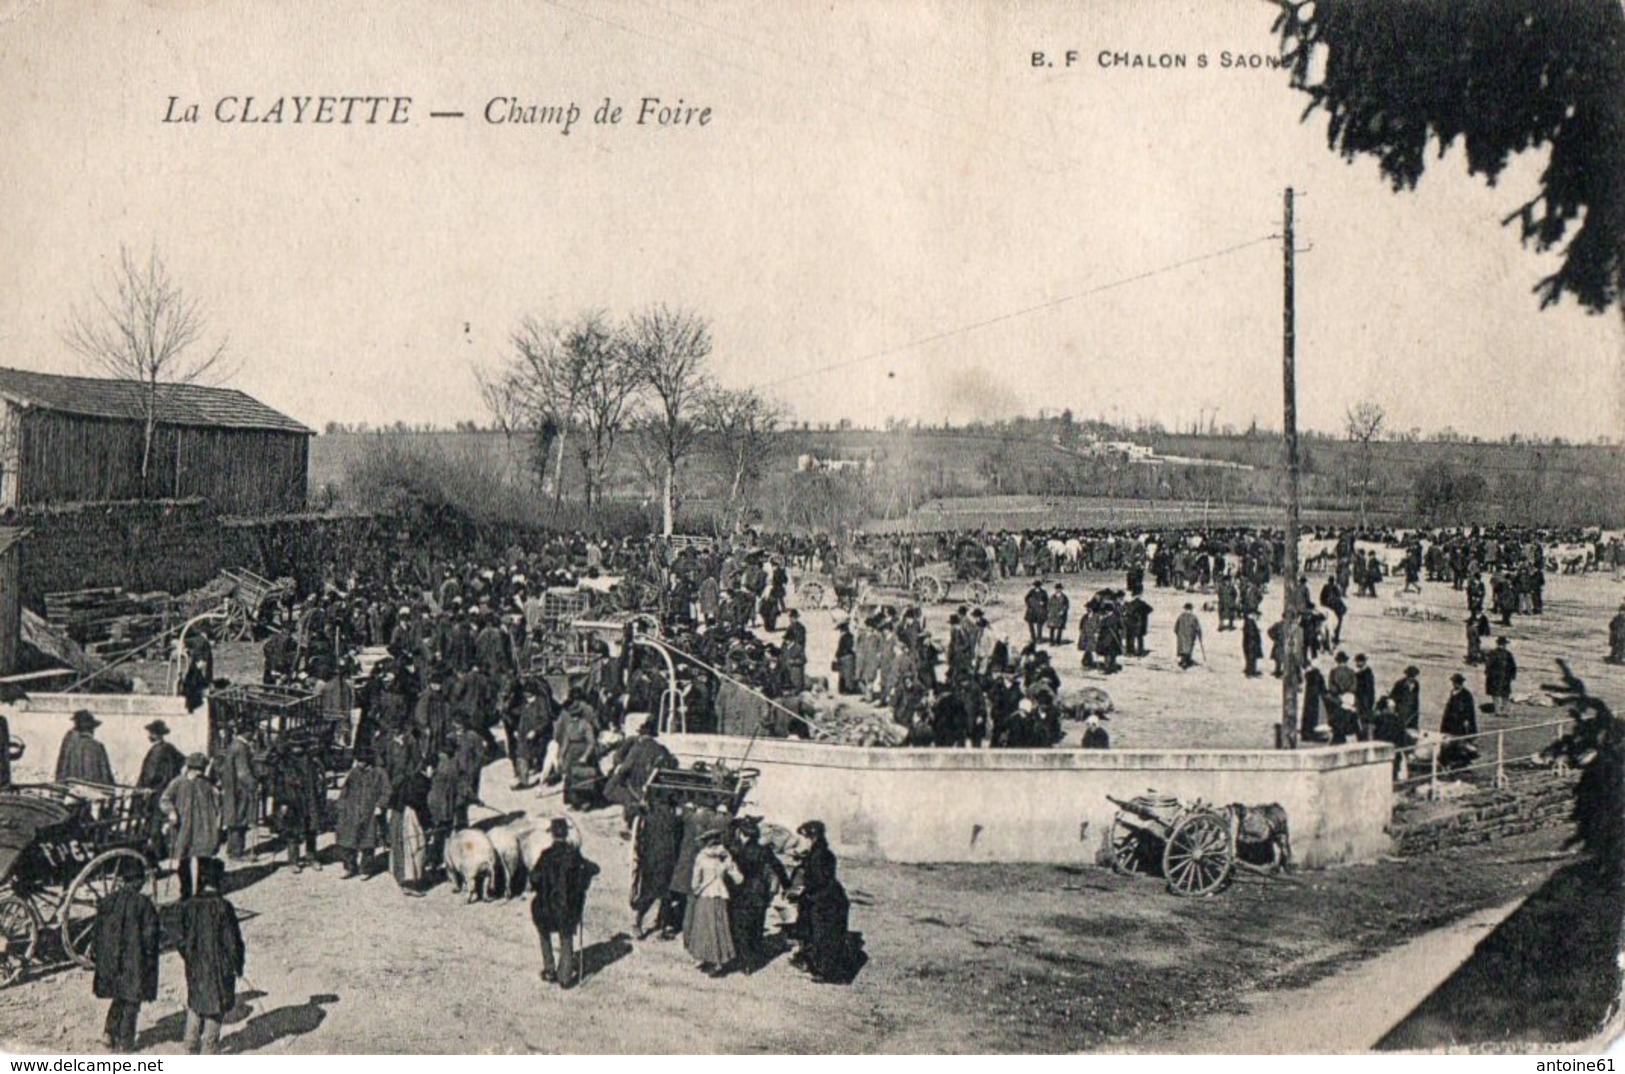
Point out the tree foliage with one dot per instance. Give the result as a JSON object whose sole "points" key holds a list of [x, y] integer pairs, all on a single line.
{"points": [[1500, 76], [1447, 495]]}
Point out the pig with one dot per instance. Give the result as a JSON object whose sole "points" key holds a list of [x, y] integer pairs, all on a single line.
{"points": [[471, 860], [505, 841]]}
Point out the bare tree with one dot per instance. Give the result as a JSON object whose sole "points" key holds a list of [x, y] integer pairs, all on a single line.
{"points": [[144, 329], [504, 400], [744, 426], [548, 387], [667, 349], [1363, 423], [603, 381]]}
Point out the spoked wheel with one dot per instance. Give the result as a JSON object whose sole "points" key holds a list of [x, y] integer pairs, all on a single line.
{"points": [[812, 595], [1197, 859], [980, 592], [1128, 848], [19, 937], [95, 882], [238, 624], [927, 589]]}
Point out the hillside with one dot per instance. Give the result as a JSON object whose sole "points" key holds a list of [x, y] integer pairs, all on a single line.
{"points": [[1510, 482]]}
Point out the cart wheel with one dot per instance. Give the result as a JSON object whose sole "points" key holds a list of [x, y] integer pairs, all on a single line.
{"points": [[1127, 852], [812, 595], [95, 881], [980, 592], [19, 937], [1197, 859], [927, 589]]}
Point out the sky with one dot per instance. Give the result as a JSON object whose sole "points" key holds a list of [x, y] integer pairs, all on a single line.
{"points": [[891, 211]]}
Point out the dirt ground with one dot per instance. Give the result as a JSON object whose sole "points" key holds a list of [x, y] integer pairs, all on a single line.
{"points": [[984, 958], [961, 959]]}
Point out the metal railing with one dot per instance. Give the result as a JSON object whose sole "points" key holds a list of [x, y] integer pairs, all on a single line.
{"points": [[1406, 759]]}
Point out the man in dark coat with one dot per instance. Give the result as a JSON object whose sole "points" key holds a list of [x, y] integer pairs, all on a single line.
{"points": [[1365, 694], [239, 791], [1460, 718], [1314, 690], [126, 944], [362, 799], [1252, 645], [1500, 669], [561, 879], [1406, 695], [638, 759], [1037, 611], [1616, 636], [211, 945], [656, 838], [846, 657], [162, 764], [81, 757]]}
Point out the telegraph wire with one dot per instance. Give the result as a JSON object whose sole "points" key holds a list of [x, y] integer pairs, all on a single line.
{"points": [[949, 333]]}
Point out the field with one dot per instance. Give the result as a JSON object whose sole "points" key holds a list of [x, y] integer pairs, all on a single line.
{"points": [[1520, 482]]}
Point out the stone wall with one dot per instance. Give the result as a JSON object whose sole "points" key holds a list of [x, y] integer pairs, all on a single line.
{"points": [[940, 805], [1528, 802]]}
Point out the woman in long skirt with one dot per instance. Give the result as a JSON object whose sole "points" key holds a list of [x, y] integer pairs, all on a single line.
{"points": [[706, 936]]}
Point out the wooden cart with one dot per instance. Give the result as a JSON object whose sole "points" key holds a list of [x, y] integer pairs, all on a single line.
{"points": [[63, 847], [1193, 846], [248, 597]]}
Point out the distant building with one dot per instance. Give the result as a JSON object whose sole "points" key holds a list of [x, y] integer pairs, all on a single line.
{"points": [[80, 439], [11, 604], [812, 464]]}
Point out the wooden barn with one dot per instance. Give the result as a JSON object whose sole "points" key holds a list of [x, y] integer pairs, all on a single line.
{"points": [[11, 604], [78, 439]]}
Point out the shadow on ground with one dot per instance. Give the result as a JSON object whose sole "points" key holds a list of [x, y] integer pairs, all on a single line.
{"points": [[1548, 973]]}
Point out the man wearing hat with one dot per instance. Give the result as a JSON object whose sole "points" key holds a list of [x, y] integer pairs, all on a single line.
{"points": [[1460, 718], [1406, 695], [1056, 611], [159, 768], [1500, 669], [81, 757], [211, 945], [163, 761], [1252, 644], [560, 880], [1036, 611], [191, 806], [1616, 636], [233, 768], [126, 945]]}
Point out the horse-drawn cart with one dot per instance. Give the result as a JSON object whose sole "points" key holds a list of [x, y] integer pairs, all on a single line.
{"points": [[63, 847], [249, 596], [1197, 848]]}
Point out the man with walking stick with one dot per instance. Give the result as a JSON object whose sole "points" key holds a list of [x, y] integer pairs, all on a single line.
{"points": [[561, 879]]}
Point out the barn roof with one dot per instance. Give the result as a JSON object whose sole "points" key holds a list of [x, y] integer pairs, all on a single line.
{"points": [[9, 536], [178, 404]]}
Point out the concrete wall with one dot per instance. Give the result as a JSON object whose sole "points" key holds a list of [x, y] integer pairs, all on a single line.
{"points": [[43, 719], [930, 805]]}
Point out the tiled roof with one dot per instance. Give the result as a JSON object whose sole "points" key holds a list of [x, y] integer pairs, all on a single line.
{"points": [[178, 404]]}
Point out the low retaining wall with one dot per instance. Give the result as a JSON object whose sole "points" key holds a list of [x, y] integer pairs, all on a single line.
{"points": [[945, 805], [43, 719], [1529, 801]]}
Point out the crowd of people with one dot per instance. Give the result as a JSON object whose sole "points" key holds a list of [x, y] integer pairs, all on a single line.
{"points": [[461, 673]]}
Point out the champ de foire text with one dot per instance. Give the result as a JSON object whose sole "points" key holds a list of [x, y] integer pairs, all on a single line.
{"points": [[497, 111]]}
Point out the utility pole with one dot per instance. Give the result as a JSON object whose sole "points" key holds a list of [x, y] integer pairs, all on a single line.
{"points": [[1286, 736]]}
